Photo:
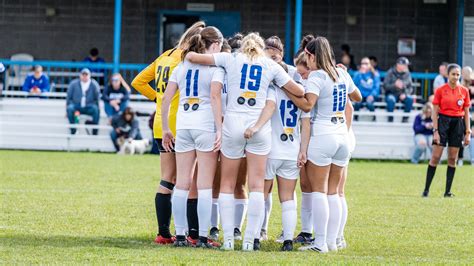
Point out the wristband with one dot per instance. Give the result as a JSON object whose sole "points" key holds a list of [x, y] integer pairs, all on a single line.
{"points": [[434, 130]]}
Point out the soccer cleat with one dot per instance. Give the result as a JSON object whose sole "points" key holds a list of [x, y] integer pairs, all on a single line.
{"points": [[204, 243], [247, 246], [303, 238], [164, 241], [213, 243], [280, 238], [314, 247], [287, 245], [256, 244], [341, 243], [448, 195], [237, 234], [228, 244], [425, 194], [192, 242], [263, 235], [332, 247], [214, 233], [181, 242]]}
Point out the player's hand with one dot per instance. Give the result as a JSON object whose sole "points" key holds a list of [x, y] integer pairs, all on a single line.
{"points": [[436, 138], [218, 141], [168, 140], [341, 66], [467, 139], [249, 132], [301, 159]]}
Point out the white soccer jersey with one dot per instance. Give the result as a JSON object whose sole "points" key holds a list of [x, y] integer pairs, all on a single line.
{"points": [[285, 128], [224, 95], [194, 83], [327, 116], [249, 81], [294, 73]]}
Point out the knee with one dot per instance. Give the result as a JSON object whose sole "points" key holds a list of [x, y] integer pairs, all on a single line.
{"points": [[390, 99], [452, 161], [435, 160], [422, 144], [70, 108]]}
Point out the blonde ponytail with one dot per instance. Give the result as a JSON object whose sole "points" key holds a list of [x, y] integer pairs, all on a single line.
{"points": [[252, 46]]}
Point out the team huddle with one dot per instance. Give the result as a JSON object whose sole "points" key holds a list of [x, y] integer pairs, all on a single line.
{"points": [[231, 113]]}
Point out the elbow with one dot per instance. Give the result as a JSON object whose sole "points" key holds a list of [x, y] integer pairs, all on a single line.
{"points": [[135, 83], [306, 108]]}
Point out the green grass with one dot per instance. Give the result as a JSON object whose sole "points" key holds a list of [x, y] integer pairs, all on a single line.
{"points": [[99, 208]]}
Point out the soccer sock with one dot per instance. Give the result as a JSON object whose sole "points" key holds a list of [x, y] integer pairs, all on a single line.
{"points": [[268, 211], [163, 214], [306, 213], [179, 200], [215, 213], [192, 218], [429, 176], [320, 217], [340, 234], [254, 215], [288, 219], [449, 178], [227, 213], [204, 210], [240, 211], [335, 213]]}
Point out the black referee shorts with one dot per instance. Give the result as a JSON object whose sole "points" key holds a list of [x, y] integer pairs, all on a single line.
{"points": [[451, 131], [159, 142]]}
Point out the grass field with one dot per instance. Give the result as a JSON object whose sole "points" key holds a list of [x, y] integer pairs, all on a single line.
{"points": [[99, 208]]}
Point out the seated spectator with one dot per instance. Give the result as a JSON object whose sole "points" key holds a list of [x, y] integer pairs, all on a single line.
{"points": [[399, 87], [116, 95], [125, 126], [83, 98], [367, 79], [423, 127], [374, 62], [37, 83], [442, 77], [95, 58]]}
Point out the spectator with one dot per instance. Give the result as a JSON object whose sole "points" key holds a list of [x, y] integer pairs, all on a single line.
{"points": [[398, 87], [125, 126], [442, 77], [374, 62], [423, 127], [347, 59], [95, 58], [116, 95], [83, 98], [37, 83], [367, 79]]}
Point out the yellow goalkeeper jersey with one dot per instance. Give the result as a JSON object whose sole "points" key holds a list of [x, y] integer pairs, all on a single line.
{"points": [[160, 70]]}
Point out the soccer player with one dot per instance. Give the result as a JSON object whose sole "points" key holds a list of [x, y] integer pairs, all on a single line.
{"points": [[450, 107], [198, 131], [328, 148], [160, 71], [246, 128]]}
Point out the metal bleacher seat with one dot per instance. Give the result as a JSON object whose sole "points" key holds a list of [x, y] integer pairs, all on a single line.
{"points": [[16, 74]]}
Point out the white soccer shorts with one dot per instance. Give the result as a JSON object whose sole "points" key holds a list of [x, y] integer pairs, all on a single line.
{"points": [[194, 139], [283, 168]]}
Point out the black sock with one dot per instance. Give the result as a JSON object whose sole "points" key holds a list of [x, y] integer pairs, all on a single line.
{"points": [[429, 176], [449, 178], [163, 214], [192, 215]]}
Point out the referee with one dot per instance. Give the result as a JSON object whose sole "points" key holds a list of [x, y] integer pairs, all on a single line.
{"points": [[451, 105]]}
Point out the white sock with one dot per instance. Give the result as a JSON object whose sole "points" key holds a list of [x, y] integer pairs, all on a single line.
{"points": [[204, 209], [178, 206], [340, 234], [240, 211], [227, 212], [268, 211], [288, 219], [334, 221], [320, 217], [215, 213], [254, 215], [306, 213]]}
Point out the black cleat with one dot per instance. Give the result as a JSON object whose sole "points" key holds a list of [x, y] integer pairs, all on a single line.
{"points": [[256, 244], [204, 243], [181, 242], [425, 194], [303, 238], [214, 233], [237, 234], [287, 246], [448, 195]]}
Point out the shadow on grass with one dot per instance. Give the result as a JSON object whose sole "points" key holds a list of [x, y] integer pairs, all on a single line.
{"points": [[77, 241]]}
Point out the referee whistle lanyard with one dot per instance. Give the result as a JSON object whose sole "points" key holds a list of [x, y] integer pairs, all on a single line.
{"points": [[287, 131]]}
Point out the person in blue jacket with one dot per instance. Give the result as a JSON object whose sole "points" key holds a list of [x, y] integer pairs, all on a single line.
{"points": [[37, 83], [367, 79], [423, 127], [116, 95]]}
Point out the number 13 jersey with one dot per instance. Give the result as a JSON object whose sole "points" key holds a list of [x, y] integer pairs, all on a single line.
{"points": [[328, 114]]}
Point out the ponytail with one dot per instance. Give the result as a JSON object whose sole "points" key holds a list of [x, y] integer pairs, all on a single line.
{"points": [[190, 32], [195, 44], [323, 56], [252, 46], [203, 40]]}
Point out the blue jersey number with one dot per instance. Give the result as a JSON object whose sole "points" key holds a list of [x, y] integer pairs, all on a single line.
{"points": [[254, 74], [339, 96], [293, 113], [195, 83]]}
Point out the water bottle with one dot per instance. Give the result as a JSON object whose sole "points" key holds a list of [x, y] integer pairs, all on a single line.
{"points": [[76, 117]]}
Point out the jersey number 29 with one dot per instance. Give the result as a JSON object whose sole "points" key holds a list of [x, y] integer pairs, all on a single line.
{"points": [[162, 76]]}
